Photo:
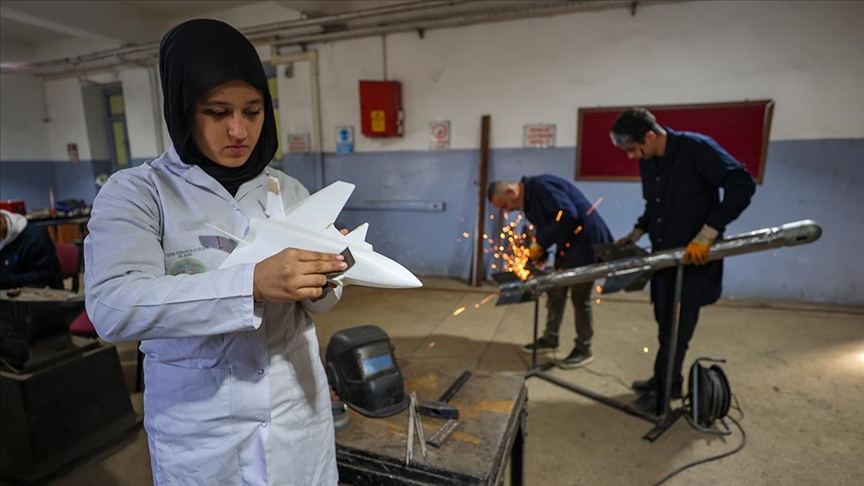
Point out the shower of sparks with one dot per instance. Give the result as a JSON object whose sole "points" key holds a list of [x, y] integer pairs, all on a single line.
{"points": [[578, 230], [598, 289], [465, 234], [431, 344], [597, 301], [645, 350], [594, 206], [515, 255], [558, 217], [491, 216], [488, 298], [459, 311], [485, 236]]}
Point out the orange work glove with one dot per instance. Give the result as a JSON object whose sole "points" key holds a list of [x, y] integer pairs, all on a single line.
{"points": [[697, 250], [535, 252]]}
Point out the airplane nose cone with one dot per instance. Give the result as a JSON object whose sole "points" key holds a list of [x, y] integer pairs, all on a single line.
{"points": [[375, 270]]}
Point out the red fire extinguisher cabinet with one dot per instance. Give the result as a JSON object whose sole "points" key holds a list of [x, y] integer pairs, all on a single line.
{"points": [[381, 112]]}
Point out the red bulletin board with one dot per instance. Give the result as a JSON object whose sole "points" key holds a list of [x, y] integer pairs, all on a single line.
{"points": [[742, 128]]}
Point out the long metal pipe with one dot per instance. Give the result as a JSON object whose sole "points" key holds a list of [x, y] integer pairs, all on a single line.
{"points": [[789, 234]]}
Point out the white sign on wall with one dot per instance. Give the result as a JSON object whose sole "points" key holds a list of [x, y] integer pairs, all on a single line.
{"points": [[439, 135], [344, 140], [298, 143], [539, 135]]}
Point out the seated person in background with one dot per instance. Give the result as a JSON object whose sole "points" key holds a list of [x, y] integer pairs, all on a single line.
{"points": [[27, 255]]}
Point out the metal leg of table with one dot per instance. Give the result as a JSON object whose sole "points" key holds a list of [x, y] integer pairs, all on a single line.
{"points": [[517, 453]]}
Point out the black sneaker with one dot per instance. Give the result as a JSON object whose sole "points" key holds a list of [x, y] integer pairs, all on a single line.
{"points": [[647, 403], [649, 384], [544, 344], [576, 358]]}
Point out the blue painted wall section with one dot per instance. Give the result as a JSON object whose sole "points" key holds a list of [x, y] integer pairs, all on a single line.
{"points": [[419, 204], [31, 181]]}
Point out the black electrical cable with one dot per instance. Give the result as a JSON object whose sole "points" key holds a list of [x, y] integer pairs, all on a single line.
{"points": [[713, 404]]}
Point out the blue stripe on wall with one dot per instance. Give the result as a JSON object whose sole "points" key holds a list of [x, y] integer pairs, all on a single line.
{"points": [[401, 194], [31, 181]]}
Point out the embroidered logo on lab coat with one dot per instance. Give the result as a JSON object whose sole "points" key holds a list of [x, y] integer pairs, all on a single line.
{"points": [[190, 266]]}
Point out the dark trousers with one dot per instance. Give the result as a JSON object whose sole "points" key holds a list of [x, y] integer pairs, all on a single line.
{"points": [[664, 315], [581, 296]]}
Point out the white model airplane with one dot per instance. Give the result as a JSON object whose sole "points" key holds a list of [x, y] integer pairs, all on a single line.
{"points": [[308, 225]]}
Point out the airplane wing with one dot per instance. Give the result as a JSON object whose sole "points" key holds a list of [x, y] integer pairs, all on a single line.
{"points": [[320, 209]]}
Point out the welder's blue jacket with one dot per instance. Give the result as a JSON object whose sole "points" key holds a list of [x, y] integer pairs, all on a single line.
{"points": [[682, 193], [545, 197]]}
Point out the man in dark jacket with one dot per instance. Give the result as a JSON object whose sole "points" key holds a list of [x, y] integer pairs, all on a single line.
{"points": [[682, 174], [562, 216], [27, 255]]}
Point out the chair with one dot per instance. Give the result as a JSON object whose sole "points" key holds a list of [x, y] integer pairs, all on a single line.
{"points": [[71, 265], [82, 326]]}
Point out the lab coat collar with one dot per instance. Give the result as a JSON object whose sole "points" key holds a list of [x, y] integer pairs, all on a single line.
{"points": [[196, 176]]}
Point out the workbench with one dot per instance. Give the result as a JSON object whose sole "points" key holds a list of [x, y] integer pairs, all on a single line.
{"points": [[493, 410]]}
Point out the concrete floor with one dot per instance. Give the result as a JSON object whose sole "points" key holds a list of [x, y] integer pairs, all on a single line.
{"points": [[798, 371]]}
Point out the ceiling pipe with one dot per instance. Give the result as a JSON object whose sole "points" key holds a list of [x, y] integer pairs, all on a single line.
{"points": [[537, 9], [399, 8], [273, 34], [253, 33]]}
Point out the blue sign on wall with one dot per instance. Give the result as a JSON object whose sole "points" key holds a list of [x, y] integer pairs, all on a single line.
{"points": [[344, 140]]}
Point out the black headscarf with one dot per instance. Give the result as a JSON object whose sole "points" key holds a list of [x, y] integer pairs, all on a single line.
{"points": [[195, 57]]}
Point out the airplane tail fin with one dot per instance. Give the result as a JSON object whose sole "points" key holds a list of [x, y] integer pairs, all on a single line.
{"points": [[275, 206], [358, 236]]}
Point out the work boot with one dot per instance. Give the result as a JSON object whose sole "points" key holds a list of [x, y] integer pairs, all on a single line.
{"points": [[650, 384], [647, 403], [576, 358], [544, 344]]}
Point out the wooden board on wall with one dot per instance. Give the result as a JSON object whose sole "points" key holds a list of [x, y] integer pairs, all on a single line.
{"points": [[742, 128]]}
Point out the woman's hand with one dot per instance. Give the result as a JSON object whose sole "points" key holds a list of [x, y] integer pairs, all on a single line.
{"points": [[293, 275]]}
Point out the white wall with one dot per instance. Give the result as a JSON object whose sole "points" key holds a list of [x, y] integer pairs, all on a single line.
{"points": [[22, 124], [67, 119], [806, 56]]}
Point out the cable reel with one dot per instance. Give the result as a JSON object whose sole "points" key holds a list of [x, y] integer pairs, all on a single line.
{"points": [[709, 397]]}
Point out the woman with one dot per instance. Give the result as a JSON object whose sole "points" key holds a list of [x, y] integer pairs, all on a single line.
{"points": [[235, 392]]}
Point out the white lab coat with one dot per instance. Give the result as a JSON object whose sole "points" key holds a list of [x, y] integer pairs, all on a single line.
{"points": [[235, 393]]}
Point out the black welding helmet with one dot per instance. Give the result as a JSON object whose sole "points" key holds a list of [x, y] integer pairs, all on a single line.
{"points": [[362, 370]]}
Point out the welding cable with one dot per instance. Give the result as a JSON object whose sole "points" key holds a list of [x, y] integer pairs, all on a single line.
{"points": [[714, 403]]}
